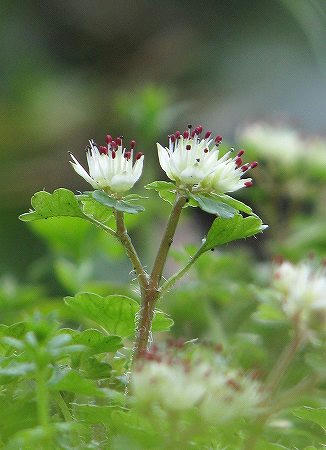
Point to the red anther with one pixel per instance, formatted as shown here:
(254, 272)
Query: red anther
(188, 147)
(245, 167)
(108, 139)
(118, 140)
(234, 385)
(198, 129)
(114, 144)
(138, 155)
(132, 144)
(240, 152)
(113, 154)
(278, 259)
(193, 133)
(248, 184)
(127, 155)
(177, 134)
(218, 139)
(103, 150)
(208, 134)
(254, 164)
(172, 137)
(238, 162)
(186, 134)
(206, 150)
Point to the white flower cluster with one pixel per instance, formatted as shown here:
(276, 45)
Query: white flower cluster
(194, 162)
(219, 395)
(283, 144)
(111, 167)
(303, 290)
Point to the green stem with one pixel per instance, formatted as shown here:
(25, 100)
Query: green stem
(166, 242)
(285, 359)
(171, 281)
(42, 398)
(63, 407)
(131, 251)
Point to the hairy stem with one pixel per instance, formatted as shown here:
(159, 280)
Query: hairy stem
(166, 242)
(131, 251)
(171, 281)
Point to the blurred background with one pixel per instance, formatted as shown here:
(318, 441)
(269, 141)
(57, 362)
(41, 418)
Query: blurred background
(72, 70)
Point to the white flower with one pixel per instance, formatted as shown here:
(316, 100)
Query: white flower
(111, 167)
(303, 289)
(277, 142)
(230, 395)
(218, 394)
(168, 385)
(193, 162)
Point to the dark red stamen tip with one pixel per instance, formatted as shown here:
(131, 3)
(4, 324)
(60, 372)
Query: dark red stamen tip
(113, 154)
(118, 140)
(198, 129)
(186, 134)
(172, 137)
(254, 164)
(188, 147)
(240, 152)
(208, 134)
(218, 139)
(127, 155)
(238, 162)
(193, 133)
(138, 155)
(245, 167)
(177, 134)
(206, 150)
(248, 184)
(132, 144)
(108, 139)
(114, 144)
(103, 150)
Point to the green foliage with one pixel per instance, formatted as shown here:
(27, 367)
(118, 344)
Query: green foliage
(213, 206)
(226, 230)
(119, 205)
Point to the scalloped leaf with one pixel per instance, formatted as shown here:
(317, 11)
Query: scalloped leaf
(62, 203)
(119, 205)
(115, 313)
(213, 206)
(94, 340)
(236, 204)
(224, 230)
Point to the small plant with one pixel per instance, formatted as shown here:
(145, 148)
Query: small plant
(96, 374)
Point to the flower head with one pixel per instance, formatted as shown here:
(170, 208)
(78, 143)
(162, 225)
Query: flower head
(111, 166)
(219, 394)
(194, 162)
(303, 289)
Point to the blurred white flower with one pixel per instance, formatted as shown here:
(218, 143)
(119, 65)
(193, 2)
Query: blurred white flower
(303, 289)
(277, 142)
(194, 162)
(219, 395)
(111, 167)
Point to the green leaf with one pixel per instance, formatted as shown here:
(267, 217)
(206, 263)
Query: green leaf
(115, 313)
(17, 369)
(227, 230)
(61, 203)
(213, 206)
(316, 415)
(95, 210)
(96, 370)
(236, 204)
(94, 414)
(161, 186)
(95, 341)
(71, 381)
(119, 205)
(161, 321)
